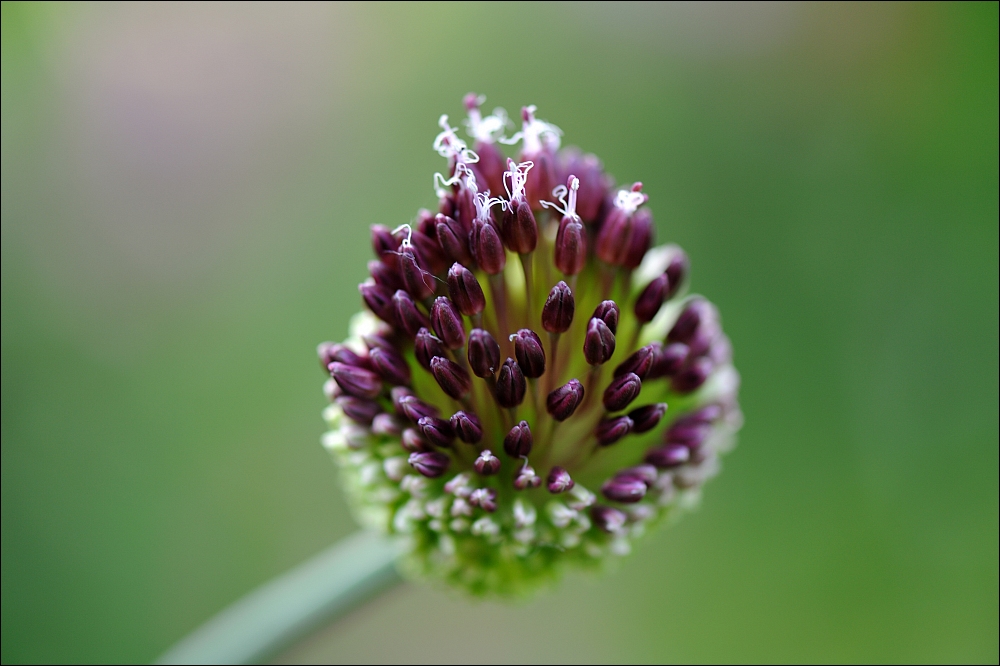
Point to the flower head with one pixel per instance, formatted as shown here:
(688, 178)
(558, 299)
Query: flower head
(513, 357)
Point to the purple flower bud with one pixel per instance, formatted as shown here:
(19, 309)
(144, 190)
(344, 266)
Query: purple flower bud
(694, 315)
(359, 410)
(651, 299)
(413, 441)
(529, 352)
(608, 519)
(398, 394)
(557, 313)
(484, 353)
(390, 366)
(622, 391)
(415, 409)
(667, 456)
(640, 240)
(425, 222)
(487, 247)
(454, 239)
(559, 481)
(464, 289)
(645, 473)
(511, 384)
(625, 489)
(447, 322)
(431, 464)
(484, 498)
(379, 301)
(436, 431)
(467, 426)
(668, 360)
(487, 464)
(599, 343)
(686, 433)
(355, 381)
(385, 275)
(451, 377)
(676, 271)
(640, 362)
(331, 351)
(692, 376)
(426, 347)
(409, 317)
(610, 431)
(385, 245)
(417, 281)
(614, 239)
(520, 232)
(563, 401)
(518, 441)
(429, 253)
(647, 417)
(386, 424)
(608, 312)
(526, 478)
(570, 255)
(594, 183)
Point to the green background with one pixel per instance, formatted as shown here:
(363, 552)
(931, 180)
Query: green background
(186, 193)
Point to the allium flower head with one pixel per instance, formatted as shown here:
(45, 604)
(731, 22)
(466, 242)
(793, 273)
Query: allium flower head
(530, 386)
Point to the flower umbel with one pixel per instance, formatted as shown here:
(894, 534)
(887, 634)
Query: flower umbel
(518, 351)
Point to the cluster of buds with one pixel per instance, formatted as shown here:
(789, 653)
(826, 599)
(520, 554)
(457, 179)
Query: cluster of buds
(530, 385)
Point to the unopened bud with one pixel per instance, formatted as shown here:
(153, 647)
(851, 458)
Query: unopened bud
(484, 353)
(562, 402)
(676, 272)
(379, 301)
(668, 455)
(357, 382)
(447, 322)
(668, 359)
(487, 247)
(622, 391)
(451, 377)
(610, 431)
(570, 255)
(518, 441)
(607, 311)
(436, 431)
(640, 239)
(431, 464)
(453, 238)
(520, 231)
(390, 366)
(648, 417)
(407, 315)
(359, 410)
(651, 299)
(559, 480)
(640, 362)
(416, 280)
(692, 376)
(625, 489)
(426, 347)
(529, 352)
(487, 464)
(557, 313)
(464, 289)
(599, 343)
(645, 473)
(415, 409)
(511, 384)
(467, 426)
(385, 275)
(385, 245)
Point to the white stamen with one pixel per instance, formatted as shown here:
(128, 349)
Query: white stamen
(517, 177)
(568, 208)
(488, 129)
(537, 134)
(629, 200)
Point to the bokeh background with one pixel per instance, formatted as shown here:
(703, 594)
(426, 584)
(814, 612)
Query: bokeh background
(186, 192)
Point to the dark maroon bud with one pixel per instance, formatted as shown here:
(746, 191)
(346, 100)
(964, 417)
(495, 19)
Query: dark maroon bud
(426, 347)
(529, 352)
(526, 478)
(454, 239)
(691, 435)
(559, 481)
(670, 455)
(484, 498)
(386, 424)
(379, 301)
(520, 232)
(416, 280)
(359, 410)
(409, 317)
(557, 313)
(676, 271)
(599, 344)
(431, 257)
(385, 245)
(436, 431)
(571, 246)
(622, 391)
(640, 240)
(518, 441)
(608, 519)
(645, 473)
(384, 275)
(696, 312)
(332, 351)
(692, 376)
(390, 366)
(451, 377)
(379, 340)
(355, 381)
(447, 323)
(413, 441)
(487, 464)
(415, 409)
(431, 464)
(639, 363)
(511, 384)
(609, 246)
(562, 402)
(702, 340)
(484, 353)
(398, 394)
(487, 247)
(446, 205)
(610, 431)
(332, 390)
(467, 426)
(464, 289)
(651, 299)
(647, 417)
(607, 312)
(668, 360)
(625, 489)
(425, 222)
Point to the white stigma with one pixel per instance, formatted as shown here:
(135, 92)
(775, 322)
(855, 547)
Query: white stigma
(515, 178)
(629, 200)
(566, 197)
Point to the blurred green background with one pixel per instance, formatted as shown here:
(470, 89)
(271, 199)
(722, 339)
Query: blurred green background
(186, 192)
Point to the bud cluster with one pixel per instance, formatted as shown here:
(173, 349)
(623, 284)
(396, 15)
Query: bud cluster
(521, 346)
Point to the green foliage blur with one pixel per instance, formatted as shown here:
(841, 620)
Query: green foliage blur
(186, 192)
